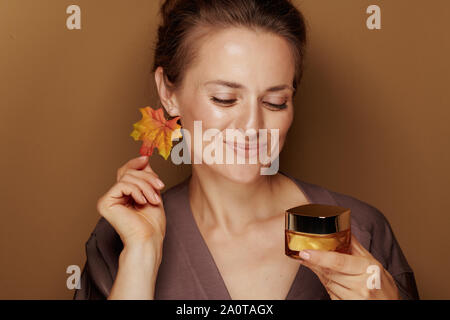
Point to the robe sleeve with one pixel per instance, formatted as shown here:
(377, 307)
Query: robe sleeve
(102, 252)
(88, 290)
(406, 285)
(379, 239)
(386, 249)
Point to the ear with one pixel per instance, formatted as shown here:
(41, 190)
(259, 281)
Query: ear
(166, 95)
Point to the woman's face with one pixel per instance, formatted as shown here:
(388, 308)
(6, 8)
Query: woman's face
(241, 80)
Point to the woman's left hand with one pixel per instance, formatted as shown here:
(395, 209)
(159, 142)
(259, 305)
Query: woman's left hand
(350, 276)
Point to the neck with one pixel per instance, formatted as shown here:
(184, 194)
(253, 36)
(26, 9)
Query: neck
(232, 207)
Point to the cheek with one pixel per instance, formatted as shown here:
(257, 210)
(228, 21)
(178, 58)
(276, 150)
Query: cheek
(203, 111)
(282, 122)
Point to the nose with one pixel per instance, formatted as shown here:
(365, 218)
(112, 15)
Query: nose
(251, 116)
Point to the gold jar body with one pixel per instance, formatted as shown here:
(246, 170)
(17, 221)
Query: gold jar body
(297, 241)
(317, 227)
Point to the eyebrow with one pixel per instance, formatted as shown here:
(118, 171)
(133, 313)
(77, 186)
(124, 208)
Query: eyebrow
(235, 85)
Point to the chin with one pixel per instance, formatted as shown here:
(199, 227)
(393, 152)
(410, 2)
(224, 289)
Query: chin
(239, 173)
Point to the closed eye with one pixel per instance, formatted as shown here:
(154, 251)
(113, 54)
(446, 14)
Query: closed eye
(277, 106)
(231, 101)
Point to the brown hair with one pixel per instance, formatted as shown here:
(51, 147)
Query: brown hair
(186, 21)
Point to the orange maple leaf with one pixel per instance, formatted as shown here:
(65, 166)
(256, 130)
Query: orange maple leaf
(156, 132)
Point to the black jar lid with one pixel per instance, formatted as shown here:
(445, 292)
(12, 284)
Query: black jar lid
(317, 218)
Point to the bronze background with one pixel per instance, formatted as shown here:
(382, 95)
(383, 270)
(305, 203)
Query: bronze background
(372, 121)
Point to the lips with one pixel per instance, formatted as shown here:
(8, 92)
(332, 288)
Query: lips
(243, 146)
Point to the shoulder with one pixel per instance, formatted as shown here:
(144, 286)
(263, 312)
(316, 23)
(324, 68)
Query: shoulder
(369, 225)
(365, 215)
(368, 217)
(371, 220)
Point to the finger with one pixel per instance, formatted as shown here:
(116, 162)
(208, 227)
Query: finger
(327, 275)
(342, 285)
(337, 290)
(135, 163)
(325, 282)
(336, 261)
(340, 292)
(149, 177)
(144, 186)
(148, 168)
(121, 189)
(351, 282)
(333, 296)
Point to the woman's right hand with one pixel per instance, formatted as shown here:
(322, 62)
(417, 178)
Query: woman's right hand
(133, 206)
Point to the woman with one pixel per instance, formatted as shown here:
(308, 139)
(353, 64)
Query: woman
(219, 234)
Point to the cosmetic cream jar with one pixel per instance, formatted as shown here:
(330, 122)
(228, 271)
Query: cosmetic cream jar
(318, 227)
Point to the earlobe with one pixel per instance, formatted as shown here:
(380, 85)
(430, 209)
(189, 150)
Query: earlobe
(173, 111)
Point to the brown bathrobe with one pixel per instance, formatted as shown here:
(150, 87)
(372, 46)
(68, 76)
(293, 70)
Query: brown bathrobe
(188, 270)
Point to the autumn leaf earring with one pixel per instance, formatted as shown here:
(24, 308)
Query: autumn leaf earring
(156, 132)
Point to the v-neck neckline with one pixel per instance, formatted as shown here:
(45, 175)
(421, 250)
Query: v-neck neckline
(206, 270)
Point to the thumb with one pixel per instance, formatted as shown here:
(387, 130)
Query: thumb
(137, 163)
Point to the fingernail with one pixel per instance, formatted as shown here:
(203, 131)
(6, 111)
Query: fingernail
(159, 183)
(157, 198)
(143, 157)
(305, 255)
